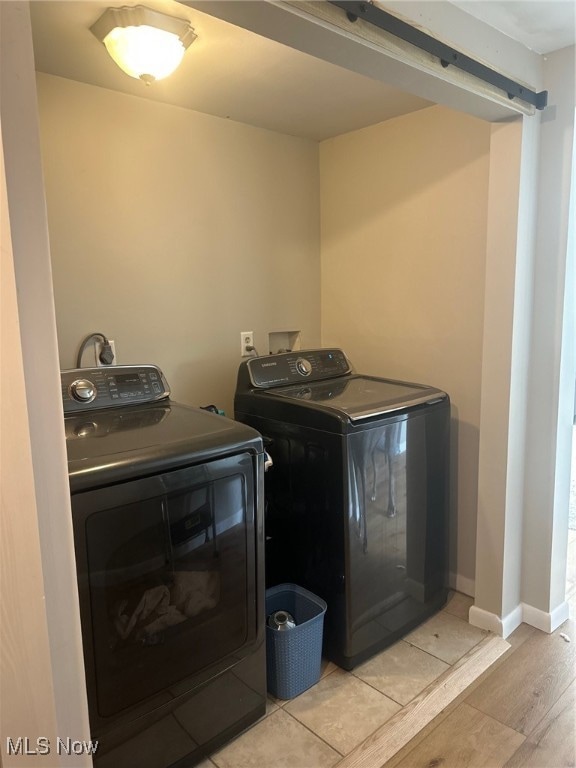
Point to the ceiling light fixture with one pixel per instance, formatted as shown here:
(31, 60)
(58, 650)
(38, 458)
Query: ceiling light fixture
(146, 44)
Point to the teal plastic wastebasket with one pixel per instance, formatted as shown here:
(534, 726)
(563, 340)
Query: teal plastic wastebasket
(294, 656)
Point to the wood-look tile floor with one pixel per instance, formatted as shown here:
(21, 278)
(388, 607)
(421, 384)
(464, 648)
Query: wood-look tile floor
(520, 713)
(327, 722)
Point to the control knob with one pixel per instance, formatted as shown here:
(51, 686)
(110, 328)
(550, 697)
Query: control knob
(303, 366)
(83, 390)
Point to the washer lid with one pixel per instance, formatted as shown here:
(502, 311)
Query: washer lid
(361, 397)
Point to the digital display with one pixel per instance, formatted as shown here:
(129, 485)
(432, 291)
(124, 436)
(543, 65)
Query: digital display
(129, 382)
(330, 362)
(127, 378)
(328, 359)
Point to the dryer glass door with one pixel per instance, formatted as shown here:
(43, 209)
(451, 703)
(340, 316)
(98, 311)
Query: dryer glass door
(167, 578)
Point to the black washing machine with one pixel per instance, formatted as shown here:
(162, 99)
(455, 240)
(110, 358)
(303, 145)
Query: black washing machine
(357, 500)
(167, 505)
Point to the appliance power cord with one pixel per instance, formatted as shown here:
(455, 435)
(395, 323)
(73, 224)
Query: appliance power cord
(106, 356)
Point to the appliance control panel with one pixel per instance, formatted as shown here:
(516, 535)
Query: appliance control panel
(295, 367)
(86, 389)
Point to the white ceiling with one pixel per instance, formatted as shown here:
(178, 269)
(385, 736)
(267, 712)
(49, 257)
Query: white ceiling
(233, 73)
(228, 72)
(541, 25)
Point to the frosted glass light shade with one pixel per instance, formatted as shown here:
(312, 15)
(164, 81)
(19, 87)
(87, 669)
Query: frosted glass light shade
(145, 44)
(144, 52)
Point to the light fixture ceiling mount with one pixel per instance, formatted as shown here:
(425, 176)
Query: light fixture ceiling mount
(146, 44)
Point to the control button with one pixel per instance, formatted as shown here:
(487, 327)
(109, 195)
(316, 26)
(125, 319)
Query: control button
(156, 386)
(153, 376)
(83, 390)
(303, 366)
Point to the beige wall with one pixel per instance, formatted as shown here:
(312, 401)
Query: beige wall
(172, 231)
(404, 207)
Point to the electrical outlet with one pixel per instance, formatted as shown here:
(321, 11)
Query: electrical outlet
(98, 348)
(246, 340)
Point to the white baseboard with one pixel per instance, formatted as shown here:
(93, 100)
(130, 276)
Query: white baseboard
(461, 584)
(504, 626)
(547, 622)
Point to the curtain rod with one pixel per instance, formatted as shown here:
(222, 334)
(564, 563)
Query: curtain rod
(356, 9)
